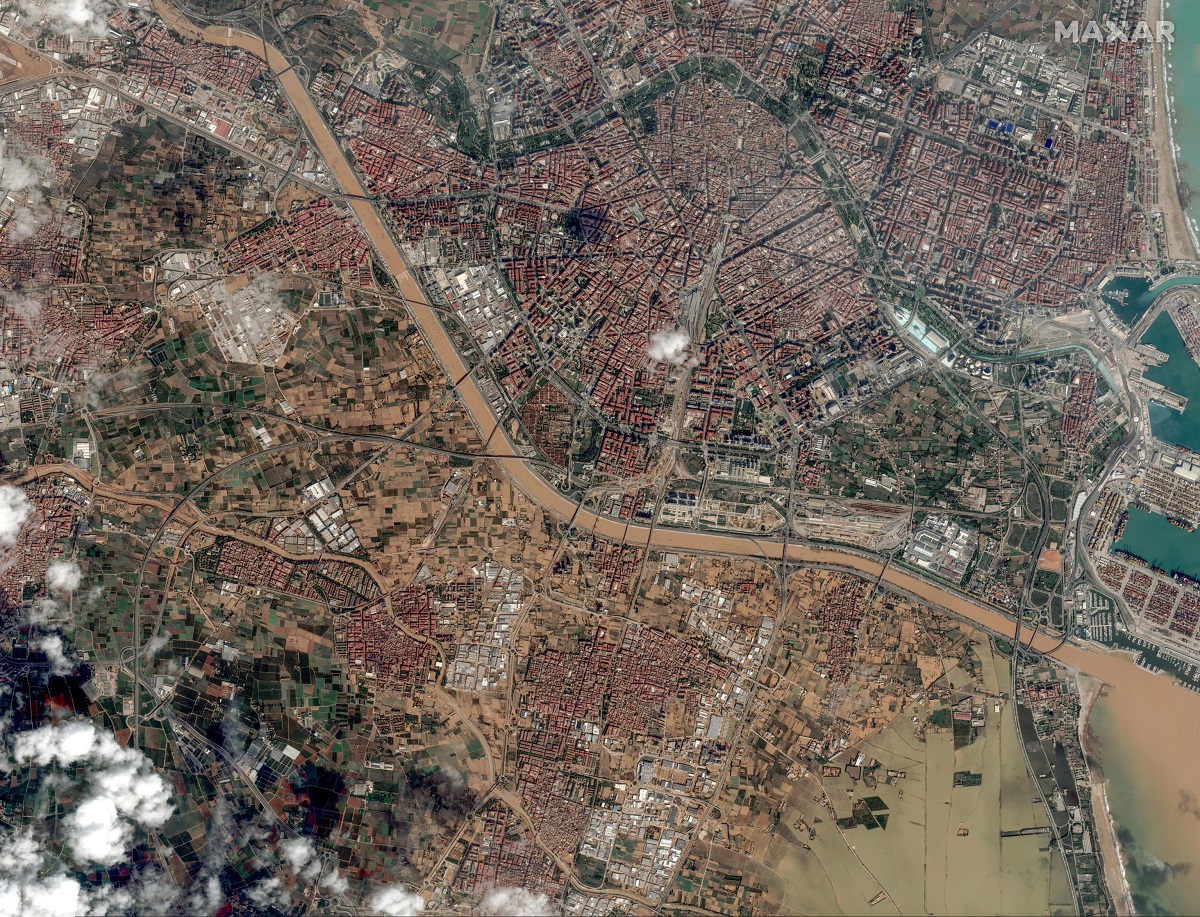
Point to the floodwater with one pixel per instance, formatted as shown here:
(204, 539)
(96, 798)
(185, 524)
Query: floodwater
(920, 858)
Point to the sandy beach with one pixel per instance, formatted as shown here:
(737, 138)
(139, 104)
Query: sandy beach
(1106, 835)
(1178, 236)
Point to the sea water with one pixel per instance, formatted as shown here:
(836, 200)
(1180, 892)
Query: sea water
(1168, 547)
(1183, 64)
(1131, 297)
(1154, 828)
(1179, 374)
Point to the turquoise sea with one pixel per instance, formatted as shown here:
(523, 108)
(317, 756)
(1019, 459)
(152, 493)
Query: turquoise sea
(1184, 62)
(1131, 297)
(1168, 547)
(1179, 374)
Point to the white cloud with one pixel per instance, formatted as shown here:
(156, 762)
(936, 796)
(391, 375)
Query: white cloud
(266, 893)
(302, 858)
(297, 852)
(20, 177)
(63, 576)
(25, 891)
(670, 346)
(123, 791)
(259, 309)
(14, 510)
(120, 789)
(97, 831)
(154, 893)
(205, 896)
(33, 884)
(396, 901)
(17, 173)
(155, 645)
(139, 792)
(67, 744)
(28, 218)
(263, 291)
(516, 902)
(42, 612)
(77, 18)
(26, 306)
(52, 645)
(335, 882)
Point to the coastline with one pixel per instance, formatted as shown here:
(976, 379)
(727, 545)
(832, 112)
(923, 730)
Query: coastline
(1181, 241)
(1090, 690)
(1142, 753)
